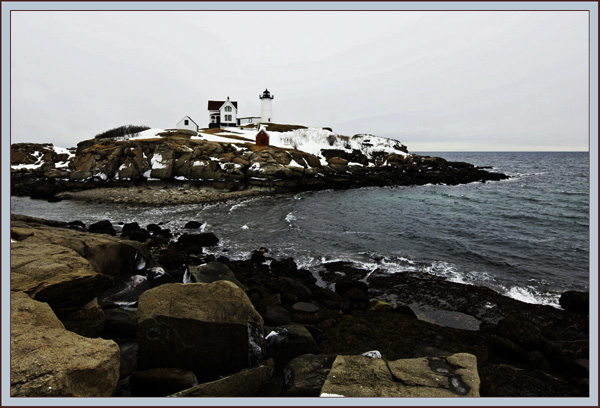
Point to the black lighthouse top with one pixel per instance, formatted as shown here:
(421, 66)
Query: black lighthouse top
(266, 95)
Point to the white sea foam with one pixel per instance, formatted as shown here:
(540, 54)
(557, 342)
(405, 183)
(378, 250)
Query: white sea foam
(290, 217)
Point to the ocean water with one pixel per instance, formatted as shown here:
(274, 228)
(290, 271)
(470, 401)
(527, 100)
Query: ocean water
(526, 237)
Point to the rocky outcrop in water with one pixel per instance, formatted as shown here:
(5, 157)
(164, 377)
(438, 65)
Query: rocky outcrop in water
(232, 166)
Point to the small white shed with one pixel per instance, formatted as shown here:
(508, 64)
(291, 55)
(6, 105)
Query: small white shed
(188, 124)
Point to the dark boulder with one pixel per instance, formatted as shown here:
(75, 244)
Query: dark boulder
(305, 375)
(44, 191)
(193, 225)
(576, 302)
(522, 332)
(129, 228)
(153, 228)
(258, 256)
(284, 267)
(285, 343)
(78, 225)
(102, 227)
(120, 322)
(345, 284)
(291, 291)
(193, 243)
(275, 315)
(139, 235)
(171, 258)
(125, 292)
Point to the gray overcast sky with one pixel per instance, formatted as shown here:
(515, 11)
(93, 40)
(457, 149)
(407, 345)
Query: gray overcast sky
(437, 81)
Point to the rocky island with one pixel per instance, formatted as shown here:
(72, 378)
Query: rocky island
(297, 159)
(105, 310)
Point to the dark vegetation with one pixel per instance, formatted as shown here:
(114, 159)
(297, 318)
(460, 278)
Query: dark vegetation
(125, 130)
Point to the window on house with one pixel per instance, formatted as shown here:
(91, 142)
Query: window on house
(186, 122)
(227, 108)
(228, 118)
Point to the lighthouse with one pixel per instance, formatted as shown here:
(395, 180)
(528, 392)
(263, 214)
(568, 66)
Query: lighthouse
(266, 113)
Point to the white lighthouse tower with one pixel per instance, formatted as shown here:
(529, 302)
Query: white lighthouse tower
(266, 113)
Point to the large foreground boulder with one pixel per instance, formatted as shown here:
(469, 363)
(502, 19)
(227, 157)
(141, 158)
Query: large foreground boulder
(108, 255)
(54, 274)
(48, 361)
(431, 377)
(211, 329)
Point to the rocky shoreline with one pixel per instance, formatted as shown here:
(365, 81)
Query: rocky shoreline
(103, 311)
(158, 195)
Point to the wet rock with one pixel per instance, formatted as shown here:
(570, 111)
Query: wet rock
(290, 290)
(248, 383)
(153, 228)
(102, 227)
(120, 322)
(258, 256)
(125, 292)
(211, 329)
(45, 191)
(507, 349)
(275, 315)
(49, 361)
(193, 225)
(193, 243)
(305, 307)
(305, 375)
(212, 272)
(521, 331)
(129, 228)
(284, 267)
(76, 225)
(129, 358)
(576, 302)
(160, 382)
(358, 376)
(172, 257)
(87, 321)
(139, 235)
(287, 342)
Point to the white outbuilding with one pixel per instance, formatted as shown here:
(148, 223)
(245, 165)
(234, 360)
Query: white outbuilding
(187, 124)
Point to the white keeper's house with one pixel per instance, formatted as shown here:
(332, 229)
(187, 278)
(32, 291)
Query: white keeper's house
(222, 113)
(225, 113)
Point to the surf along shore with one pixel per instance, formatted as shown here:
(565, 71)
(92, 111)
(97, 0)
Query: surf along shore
(144, 311)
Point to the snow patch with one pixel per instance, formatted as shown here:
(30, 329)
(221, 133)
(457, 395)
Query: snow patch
(157, 161)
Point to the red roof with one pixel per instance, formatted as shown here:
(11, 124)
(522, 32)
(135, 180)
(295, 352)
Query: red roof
(216, 105)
